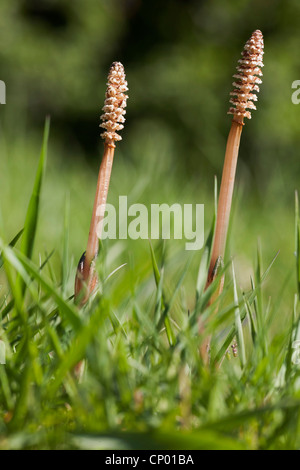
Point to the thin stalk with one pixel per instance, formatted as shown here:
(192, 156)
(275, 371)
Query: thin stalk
(86, 278)
(100, 202)
(112, 121)
(242, 98)
(225, 197)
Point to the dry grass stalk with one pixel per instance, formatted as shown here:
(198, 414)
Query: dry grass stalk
(112, 121)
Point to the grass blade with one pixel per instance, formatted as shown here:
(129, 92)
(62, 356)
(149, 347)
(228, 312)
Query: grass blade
(238, 322)
(33, 207)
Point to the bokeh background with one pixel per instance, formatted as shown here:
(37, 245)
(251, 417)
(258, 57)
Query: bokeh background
(179, 57)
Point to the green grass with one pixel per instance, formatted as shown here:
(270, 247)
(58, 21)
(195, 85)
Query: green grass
(144, 385)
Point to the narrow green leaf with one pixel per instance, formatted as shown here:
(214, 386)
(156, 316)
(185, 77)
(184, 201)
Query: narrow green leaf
(66, 309)
(160, 304)
(297, 242)
(78, 347)
(12, 243)
(65, 255)
(238, 322)
(33, 208)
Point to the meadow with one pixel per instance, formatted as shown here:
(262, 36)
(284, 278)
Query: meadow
(144, 384)
(140, 389)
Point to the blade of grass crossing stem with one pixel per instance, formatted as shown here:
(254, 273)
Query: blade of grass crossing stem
(208, 293)
(211, 235)
(206, 255)
(205, 258)
(158, 281)
(31, 219)
(238, 322)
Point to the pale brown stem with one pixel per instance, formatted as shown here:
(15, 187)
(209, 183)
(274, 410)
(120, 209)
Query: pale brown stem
(223, 215)
(100, 201)
(225, 197)
(86, 277)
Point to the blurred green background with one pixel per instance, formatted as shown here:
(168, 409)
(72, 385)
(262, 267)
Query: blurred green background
(179, 58)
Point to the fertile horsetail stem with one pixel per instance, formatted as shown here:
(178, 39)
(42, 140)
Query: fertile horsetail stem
(112, 121)
(242, 99)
